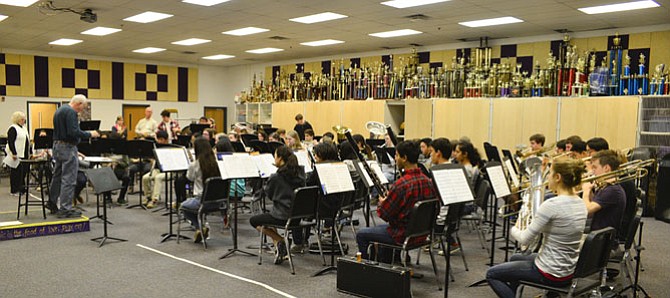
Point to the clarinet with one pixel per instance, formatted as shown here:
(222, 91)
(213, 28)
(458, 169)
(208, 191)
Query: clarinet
(381, 189)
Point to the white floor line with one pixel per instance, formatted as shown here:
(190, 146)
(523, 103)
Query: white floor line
(251, 281)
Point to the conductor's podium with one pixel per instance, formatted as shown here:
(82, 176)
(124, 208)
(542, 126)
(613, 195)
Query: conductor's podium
(37, 227)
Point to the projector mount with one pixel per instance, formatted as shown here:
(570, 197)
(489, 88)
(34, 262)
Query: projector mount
(48, 8)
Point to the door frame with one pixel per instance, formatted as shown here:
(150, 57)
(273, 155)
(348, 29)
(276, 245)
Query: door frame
(123, 107)
(225, 113)
(57, 103)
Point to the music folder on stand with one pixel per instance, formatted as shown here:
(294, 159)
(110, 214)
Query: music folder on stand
(104, 182)
(141, 149)
(171, 159)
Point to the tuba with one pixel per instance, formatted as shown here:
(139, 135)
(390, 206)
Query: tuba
(340, 130)
(376, 128)
(531, 199)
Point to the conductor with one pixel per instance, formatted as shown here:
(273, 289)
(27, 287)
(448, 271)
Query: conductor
(67, 135)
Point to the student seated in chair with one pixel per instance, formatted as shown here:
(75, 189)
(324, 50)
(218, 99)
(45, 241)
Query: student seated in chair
(396, 206)
(562, 220)
(198, 172)
(153, 191)
(280, 189)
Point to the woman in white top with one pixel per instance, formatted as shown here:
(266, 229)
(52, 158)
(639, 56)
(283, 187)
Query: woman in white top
(18, 147)
(561, 220)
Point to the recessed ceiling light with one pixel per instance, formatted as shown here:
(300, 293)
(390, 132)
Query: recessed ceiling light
(22, 3)
(65, 42)
(218, 57)
(101, 31)
(205, 2)
(149, 50)
(2, 17)
(191, 41)
(148, 17)
(319, 17)
(619, 7)
(264, 50)
(395, 33)
(246, 31)
(491, 22)
(319, 43)
(410, 3)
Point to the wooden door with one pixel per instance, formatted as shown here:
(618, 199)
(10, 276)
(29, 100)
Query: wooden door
(219, 116)
(131, 115)
(41, 115)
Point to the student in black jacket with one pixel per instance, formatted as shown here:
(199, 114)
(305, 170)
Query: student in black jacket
(280, 188)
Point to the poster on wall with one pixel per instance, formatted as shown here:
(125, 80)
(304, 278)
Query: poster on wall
(84, 115)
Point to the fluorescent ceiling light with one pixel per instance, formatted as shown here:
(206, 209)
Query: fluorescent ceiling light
(148, 17)
(2, 17)
(205, 2)
(491, 22)
(191, 41)
(246, 31)
(264, 50)
(218, 57)
(619, 7)
(319, 43)
(149, 50)
(320, 17)
(65, 42)
(101, 31)
(22, 3)
(410, 3)
(395, 33)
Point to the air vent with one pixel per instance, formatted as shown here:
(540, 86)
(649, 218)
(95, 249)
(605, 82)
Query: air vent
(389, 48)
(415, 45)
(188, 52)
(417, 17)
(563, 30)
(277, 37)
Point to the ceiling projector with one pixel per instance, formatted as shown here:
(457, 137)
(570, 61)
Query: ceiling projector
(88, 16)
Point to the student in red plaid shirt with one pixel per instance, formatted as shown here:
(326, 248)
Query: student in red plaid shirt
(395, 208)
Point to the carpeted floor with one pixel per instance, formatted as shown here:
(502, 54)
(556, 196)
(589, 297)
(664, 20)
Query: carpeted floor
(73, 265)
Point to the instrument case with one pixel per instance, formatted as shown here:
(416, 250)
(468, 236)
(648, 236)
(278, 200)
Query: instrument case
(369, 279)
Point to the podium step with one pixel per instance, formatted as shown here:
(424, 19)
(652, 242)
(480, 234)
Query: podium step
(17, 230)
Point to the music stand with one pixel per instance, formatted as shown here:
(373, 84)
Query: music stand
(89, 125)
(46, 141)
(171, 159)
(139, 149)
(110, 146)
(184, 140)
(453, 187)
(491, 152)
(247, 138)
(384, 155)
(508, 154)
(104, 182)
(273, 146)
(269, 130)
(87, 148)
(198, 128)
(374, 143)
(259, 146)
(496, 176)
(238, 147)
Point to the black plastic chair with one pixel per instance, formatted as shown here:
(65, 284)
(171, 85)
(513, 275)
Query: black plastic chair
(592, 260)
(214, 198)
(624, 257)
(421, 224)
(303, 207)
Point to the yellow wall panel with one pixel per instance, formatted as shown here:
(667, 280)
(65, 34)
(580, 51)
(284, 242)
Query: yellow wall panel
(268, 74)
(475, 121)
(495, 52)
(418, 118)
(27, 75)
(507, 125)
(447, 118)
(55, 77)
(152, 82)
(355, 113)
(541, 52)
(81, 78)
(617, 120)
(283, 114)
(3, 75)
(582, 45)
(639, 40)
(322, 115)
(192, 84)
(660, 51)
(599, 43)
(524, 49)
(105, 80)
(67, 62)
(578, 117)
(129, 70)
(12, 59)
(539, 116)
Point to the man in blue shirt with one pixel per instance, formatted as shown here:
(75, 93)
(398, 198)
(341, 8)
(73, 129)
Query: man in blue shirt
(67, 135)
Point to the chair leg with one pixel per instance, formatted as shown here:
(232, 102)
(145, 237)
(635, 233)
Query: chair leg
(201, 219)
(178, 225)
(337, 235)
(288, 246)
(260, 247)
(432, 260)
(318, 241)
(458, 240)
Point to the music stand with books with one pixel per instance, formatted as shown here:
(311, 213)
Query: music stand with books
(141, 149)
(496, 176)
(238, 147)
(273, 146)
(453, 187)
(259, 146)
(334, 178)
(89, 125)
(46, 141)
(171, 159)
(198, 128)
(236, 166)
(104, 182)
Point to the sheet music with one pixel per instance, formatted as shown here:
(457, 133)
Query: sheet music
(375, 167)
(334, 177)
(303, 160)
(172, 159)
(237, 166)
(453, 186)
(99, 159)
(265, 164)
(498, 181)
(512, 173)
(366, 177)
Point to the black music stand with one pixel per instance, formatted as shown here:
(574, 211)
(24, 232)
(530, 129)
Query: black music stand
(104, 182)
(89, 125)
(269, 130)
(453, 187)
(184, 140)
(176, 161)
(46, 141)
(141, 149)
(198, 128)
(492, 152)
(110, 146)
(508, 154)
(247, 138)
(374, 143)
(259, 146)
(238, 147)
(273, 146)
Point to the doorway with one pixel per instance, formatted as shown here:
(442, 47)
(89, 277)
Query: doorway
(219, 116)
(131, 115)
(41, 115)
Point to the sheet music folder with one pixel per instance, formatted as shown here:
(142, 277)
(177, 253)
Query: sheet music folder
(496, 176)
(237, 166)
(334, 177)
(172, 159)
(385, 155)
(452, 183)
